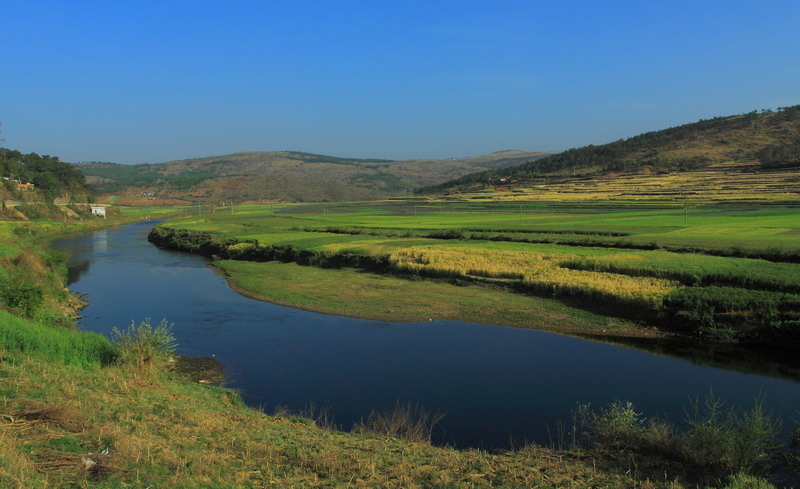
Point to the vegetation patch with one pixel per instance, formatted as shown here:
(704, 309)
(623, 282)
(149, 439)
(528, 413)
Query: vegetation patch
(607, 267)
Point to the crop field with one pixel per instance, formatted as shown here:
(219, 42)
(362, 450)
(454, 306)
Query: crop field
(722, 182)
(726, 270)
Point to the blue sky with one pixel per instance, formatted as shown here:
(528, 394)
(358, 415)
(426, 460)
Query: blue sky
(134, 82)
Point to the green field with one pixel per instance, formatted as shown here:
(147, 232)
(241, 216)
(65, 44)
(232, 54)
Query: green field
(77, 412)
(721, 270)
(74, 414)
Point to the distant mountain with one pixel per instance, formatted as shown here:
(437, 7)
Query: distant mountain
(771, 138)
(284, 176)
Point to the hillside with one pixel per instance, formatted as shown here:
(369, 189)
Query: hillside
(283, 176)
(41, 186)
(765, 141)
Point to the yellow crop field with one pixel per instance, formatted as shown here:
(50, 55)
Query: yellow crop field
(534, 270)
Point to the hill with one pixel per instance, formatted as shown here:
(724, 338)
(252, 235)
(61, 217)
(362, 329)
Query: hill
(767, 141)
(284, 176)
(36, 187)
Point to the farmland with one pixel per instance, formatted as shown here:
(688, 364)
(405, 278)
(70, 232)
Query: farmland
(718, 270)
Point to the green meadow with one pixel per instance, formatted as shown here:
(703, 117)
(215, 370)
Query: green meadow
(664, 264)
(79, 410)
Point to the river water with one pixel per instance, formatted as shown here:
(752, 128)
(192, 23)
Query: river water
(494, 383)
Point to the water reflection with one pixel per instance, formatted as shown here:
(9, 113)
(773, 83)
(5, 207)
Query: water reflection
(77, 267)
(493, 382)
(752, 360)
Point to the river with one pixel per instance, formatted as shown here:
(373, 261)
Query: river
(495, 384)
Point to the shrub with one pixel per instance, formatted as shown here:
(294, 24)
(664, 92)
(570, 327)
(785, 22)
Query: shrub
(144, 347)
(21, 295)
(408, 422)
(791, 456)
(728, 440)
(617, 425)
(718, 443)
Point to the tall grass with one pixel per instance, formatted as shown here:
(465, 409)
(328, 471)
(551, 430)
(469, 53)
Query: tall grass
(143, 347)
(719, 442)
(410, 422)
(78, 348)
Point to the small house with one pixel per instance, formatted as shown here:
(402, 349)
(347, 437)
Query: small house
(98, 210)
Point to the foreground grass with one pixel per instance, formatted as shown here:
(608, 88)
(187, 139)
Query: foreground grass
(67, 426)
(71, 416)
(351, 292)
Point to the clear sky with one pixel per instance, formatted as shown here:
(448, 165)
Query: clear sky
(152, 81)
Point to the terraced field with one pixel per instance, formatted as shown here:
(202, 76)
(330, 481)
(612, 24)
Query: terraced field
(736, 181)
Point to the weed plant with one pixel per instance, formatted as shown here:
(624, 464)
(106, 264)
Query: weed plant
(143, 347)
(17, 293)
(410, 422)
(721, 443)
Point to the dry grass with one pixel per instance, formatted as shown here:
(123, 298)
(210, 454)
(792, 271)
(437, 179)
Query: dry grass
(405, 421)
(166, 433)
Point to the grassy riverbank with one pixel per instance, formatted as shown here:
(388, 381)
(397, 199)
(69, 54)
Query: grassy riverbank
(75, 414)
(353, 292)
(723, 271)
(102, 427)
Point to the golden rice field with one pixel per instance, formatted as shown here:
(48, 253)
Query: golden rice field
(534, 270)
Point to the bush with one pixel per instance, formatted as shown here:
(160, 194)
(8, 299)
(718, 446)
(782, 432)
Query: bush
(143, 347)
(408, 422)
(719, 443)
(731, 441)
(618, 425)
(791, 455)
(19, 294)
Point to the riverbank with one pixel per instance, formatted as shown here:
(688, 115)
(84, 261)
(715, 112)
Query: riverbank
(71, 416)
(356, 293)
(64, 425)
(603, 278)
(97, 424)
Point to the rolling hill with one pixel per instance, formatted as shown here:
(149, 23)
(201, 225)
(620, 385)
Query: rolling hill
(754, 142)
(283, 176)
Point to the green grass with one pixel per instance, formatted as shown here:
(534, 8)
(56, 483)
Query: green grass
(351, 292)
(167, 431)
(608, 256)
(29, 337)
(697, 269)
(710, 226)
(152, 211)
(64, 400)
